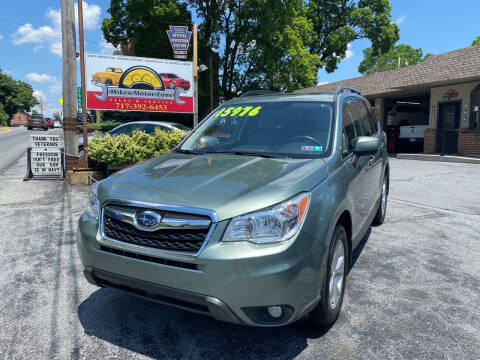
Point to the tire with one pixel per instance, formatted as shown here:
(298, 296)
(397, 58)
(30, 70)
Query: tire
(45, 128)
(171, 85)
(327, 310)
(108, 82)
(382, 204)
(29, 128)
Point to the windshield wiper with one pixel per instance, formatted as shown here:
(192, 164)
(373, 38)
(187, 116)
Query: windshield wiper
(249, 153)
(190, 152)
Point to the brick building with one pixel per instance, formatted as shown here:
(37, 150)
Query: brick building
(447, 86)
(19, 119)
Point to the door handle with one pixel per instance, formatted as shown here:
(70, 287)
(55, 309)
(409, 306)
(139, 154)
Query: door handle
(371, 161)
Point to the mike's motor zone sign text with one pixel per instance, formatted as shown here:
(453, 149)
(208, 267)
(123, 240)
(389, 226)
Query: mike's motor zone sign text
(131, 83)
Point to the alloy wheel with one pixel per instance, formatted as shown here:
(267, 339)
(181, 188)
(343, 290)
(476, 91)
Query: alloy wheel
(337, 274)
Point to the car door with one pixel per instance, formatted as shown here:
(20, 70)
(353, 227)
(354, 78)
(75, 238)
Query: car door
(373, 167)
(356, 166)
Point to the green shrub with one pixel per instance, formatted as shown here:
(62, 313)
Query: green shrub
(100, 126)
(125, 149)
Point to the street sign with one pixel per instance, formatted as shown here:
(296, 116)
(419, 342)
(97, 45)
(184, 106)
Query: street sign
(179, 37)
(45, 157)
(79, 97)
(60, 101)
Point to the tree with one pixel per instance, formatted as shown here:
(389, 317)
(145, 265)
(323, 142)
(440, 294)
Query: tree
(283, 44)
(476, 41)
(408, 55)
(14, 95)
(140, 26)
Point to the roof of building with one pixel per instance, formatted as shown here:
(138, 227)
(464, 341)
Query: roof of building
(451, 67)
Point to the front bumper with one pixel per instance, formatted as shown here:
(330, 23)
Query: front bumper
(233, 282)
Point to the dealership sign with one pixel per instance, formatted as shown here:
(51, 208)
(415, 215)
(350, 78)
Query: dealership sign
(128, 83)
(179, 37)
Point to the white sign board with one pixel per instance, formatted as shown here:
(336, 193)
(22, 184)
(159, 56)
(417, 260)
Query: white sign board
(46, 161)
(46, 141)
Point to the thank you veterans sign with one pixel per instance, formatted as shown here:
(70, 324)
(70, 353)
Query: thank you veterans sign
(179, 37)
(45, 157)
(129, 83)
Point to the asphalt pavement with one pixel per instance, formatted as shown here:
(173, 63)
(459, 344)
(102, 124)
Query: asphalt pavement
(14, 142)
(412, 293)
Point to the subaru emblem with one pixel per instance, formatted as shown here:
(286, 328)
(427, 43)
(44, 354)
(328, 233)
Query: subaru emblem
(147, 220)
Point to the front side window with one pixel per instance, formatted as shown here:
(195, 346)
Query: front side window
(364, 118)
(351, 124)
(297, 129)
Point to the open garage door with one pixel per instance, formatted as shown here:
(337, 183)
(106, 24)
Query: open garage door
(406, 119)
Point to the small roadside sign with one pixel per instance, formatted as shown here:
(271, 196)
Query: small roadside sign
(45, 157)
(179, 37)
(79, 97)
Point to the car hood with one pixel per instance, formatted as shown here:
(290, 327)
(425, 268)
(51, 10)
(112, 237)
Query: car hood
(230, 185)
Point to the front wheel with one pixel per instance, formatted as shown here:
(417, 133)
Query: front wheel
(333, 287)
(382, 206)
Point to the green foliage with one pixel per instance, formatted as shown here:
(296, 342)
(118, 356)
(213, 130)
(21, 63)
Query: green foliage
(408, 55)
(269, 44)
(476, 41)
(125, 149)
(103, 126)
(3, 116)
(143, 25)
(14, 95)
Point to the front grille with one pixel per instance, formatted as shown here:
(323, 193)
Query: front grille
(177, 239)
(132, 255)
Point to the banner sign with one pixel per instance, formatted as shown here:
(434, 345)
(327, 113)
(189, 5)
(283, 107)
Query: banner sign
(179, 37)
(128, 83)
(79, 98)
(45, 158)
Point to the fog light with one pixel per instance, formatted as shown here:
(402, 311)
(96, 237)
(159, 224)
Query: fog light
(275, 311)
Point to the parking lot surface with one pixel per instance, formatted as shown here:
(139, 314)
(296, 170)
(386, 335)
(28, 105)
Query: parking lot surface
(412, 293)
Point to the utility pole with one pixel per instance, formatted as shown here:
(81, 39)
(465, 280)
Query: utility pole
(69, 89)
(210, 65)
(84, 160)
(195, 77)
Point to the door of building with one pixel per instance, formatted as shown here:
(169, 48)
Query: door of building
(447, 127)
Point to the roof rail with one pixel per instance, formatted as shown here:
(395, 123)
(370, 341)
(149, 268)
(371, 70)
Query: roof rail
(258, 92)
(342, 88)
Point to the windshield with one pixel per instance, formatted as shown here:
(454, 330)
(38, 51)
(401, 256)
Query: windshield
(181, 127)
(287, 128)
(36, 117)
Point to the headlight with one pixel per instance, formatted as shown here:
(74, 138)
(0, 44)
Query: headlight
(278, 223)
(93, 208)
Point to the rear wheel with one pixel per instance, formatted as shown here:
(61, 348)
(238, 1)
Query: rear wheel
(333, 287)
(29, 128)
(382, 206)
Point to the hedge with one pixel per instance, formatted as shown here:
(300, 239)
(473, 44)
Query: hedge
(100, 126)
(128, 149)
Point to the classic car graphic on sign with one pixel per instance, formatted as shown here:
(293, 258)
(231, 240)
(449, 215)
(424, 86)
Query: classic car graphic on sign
(141, 86)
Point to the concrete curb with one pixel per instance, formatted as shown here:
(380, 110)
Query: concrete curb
(436, 157)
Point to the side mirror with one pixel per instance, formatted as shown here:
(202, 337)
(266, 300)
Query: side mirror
(366, 145)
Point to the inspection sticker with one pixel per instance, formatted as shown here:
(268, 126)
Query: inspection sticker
(311, 148)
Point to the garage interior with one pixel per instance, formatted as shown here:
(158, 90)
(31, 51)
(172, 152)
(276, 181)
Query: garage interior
(407, 112)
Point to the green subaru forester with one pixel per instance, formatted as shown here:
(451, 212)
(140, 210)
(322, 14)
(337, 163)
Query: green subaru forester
(253, 218)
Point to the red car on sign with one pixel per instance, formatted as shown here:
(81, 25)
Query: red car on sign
(172, 81)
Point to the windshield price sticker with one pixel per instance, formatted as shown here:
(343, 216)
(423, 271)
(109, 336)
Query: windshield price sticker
(238, 111)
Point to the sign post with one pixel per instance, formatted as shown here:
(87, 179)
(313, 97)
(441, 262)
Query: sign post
(83, 162)
(195, 77)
